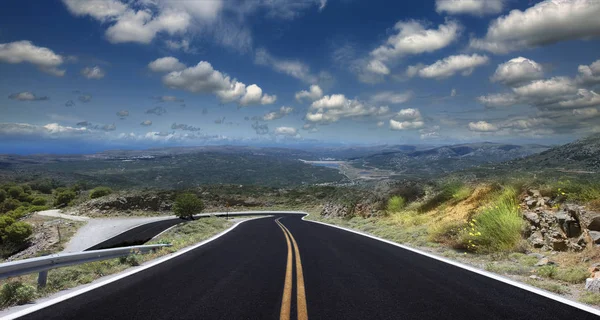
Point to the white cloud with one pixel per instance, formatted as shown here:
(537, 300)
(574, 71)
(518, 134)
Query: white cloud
(315, 92)
(587, 112)
(589, 75)
(449, 66)
(146, 123)
(391, 97)
(24, 51)
(293, 68)
(183, 45)
(99, 9)
(546, 22)
(544, 91)
(93, 73)
(286, 131)
(517, 71)
(407, 119)
(412, 38)
(473, 7)
(498, 100)
(202, 78)
(51, 130)
(254, 95)
(337, 106)
(142, 26)
(274, 115)
(26, 96)
(377, 67)
(380, 124)
(482, 126)
(166, 64)
(453, 92)
(584, 98)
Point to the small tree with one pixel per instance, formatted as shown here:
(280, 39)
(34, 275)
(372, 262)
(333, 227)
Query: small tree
(186, 205)
(65, 197)
(395, 204)
(15, 191)
(100, 192)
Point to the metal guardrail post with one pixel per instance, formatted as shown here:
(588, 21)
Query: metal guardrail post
(42, 278)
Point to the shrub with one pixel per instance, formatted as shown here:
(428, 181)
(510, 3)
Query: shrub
(44, 186)
(395, 204)
(548, 271)
(590, 298)
(15, 191)
(100, 192)
(187, 204)
(131, 260)
(9, 204)
(16, 293)
(17, 233)
(24, 197)
(63, 198)
(572, 275)
(3, 195)
(38, 202)
(498, 227)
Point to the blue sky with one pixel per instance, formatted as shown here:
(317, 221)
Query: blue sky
(83, 76)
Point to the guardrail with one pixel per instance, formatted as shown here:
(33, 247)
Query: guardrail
(45, 263)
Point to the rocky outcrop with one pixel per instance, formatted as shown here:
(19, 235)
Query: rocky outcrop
(570, 227)
(341, 210)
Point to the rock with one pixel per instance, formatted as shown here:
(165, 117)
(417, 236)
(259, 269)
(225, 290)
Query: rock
(559, 245)
(532, 217)
(592, 285)
(544, 262)
(595, 235)
(561, 217)
(535, 193)
(572, 229)
(533, 276)
(531, 204)
(594, 223)
(537, 240)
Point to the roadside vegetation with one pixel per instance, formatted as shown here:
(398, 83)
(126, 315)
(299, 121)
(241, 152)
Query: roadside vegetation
(21, 290)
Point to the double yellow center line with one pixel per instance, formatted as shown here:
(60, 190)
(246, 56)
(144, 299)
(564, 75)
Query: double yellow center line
(286, 301)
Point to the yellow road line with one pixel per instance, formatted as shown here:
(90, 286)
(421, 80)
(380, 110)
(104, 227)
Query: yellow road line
(300, 289)
(286, 300)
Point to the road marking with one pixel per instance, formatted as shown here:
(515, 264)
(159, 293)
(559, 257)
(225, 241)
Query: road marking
(300, 289)
(286, 300)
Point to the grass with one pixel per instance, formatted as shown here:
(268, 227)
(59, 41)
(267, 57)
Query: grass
(498, 227)
(20, 290)
(590, 298)
(508, 268)
(548, 286)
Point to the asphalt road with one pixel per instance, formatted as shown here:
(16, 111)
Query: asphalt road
(250, 274)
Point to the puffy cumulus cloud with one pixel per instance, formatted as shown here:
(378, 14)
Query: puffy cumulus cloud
(51, 130)
(142, 26)
(261, 129)
(185, 127)
(410, 38)
(589, 74)
(286, 131)
(94, 72)
(584, 98)
(274, 115)
(102, 10)
(546, 22)
(517, 71)
(202, 78)
(473, 7)
(335, 107)
(482, 126)
(315, 92)
(146, 123)
(26, 96)
(25, 51)
(159, 111)
(254, 95)
(407, 119)
(168, 99)
(166, 64)
(391, 97)
(85, 98)
(449, 66)
(123, 114)
(293, 68)
(545, 91)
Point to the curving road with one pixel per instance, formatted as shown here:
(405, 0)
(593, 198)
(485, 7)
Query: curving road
(255, 272)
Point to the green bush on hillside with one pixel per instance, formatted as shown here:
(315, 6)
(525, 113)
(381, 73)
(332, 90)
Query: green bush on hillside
(39, 202)
(64, 197)
(100, 192)
(16, 292)
(15, 191)
(497, 228)
(395, 204)
(17, 233)
(187, 204)
(9, 205)
(3, 195)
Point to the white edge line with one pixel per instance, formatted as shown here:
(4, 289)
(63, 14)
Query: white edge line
(473, 269)
(121, 276)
